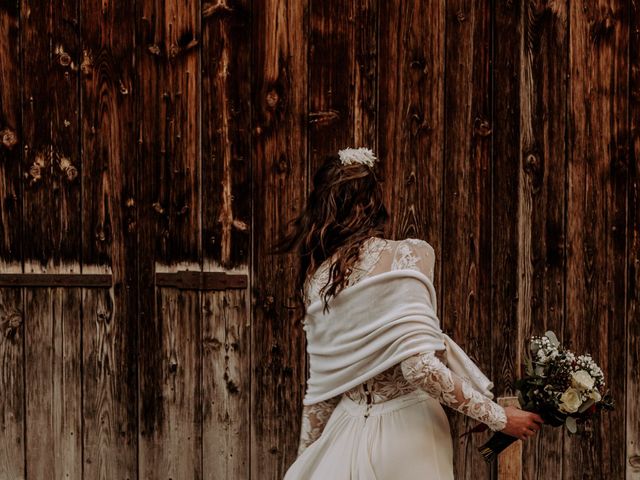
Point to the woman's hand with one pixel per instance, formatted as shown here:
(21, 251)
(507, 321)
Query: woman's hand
(520, 423)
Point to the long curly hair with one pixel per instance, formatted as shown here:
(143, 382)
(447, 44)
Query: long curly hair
(344, 209)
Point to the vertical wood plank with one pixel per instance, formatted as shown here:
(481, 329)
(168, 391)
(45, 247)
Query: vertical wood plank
(633, 240)
(226, 220)
(51, 236)
(505, 179)
(342, 77)
(226, 143)
(109, 200)
(53, 393)
(226, 385)
(12, 442)
(411, 116)
(279, 79)
(10, 141)
(168, 59)
(465, 262)
(510, 460)
(174, 448)
(50, 102)
(541, 206)
(596, 214)
(331, 78)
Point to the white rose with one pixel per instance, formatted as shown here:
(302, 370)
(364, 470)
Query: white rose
(582, 380)
(570, 400)
(595, 395)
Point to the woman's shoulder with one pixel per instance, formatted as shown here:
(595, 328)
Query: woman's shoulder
(417, 243)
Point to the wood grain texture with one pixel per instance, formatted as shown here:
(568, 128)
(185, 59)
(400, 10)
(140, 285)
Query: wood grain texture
(465, 262)
(52, 224)
(109, 200)
(596, 214)
(279, 133)
(50, 106)
(510, 460)
(226, 135)
(12, 439)
(632, 335)
(168, 144)
(505, 179)
(330, 67)
(411, 116)
(10, 140)
(53, 395)
(168, 68)
(226, 383)
(541, 202)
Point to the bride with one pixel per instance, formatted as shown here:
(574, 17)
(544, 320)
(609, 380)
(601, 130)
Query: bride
(380, 366)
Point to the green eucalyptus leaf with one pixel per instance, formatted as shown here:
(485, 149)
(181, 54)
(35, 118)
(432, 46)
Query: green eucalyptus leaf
(586, 405)
(552, 338)
(571, 424)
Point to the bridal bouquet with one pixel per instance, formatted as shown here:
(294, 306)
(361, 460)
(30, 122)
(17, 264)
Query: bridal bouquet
(560, 386)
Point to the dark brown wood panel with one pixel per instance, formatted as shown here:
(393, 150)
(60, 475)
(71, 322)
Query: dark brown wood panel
(279, 172)
(632, 335)
(110, 205)
(226, 134)
(464, 264)
(168, 69)
(10, 138)
(598, 145)
(52, 236)
(541, 199)
(12, 439)
(51, 157)
(330, 91)
(411, 116)
(505, 178)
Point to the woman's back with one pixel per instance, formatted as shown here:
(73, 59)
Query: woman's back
(380, 255)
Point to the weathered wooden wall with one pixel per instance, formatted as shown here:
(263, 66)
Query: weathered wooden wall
(143, 139)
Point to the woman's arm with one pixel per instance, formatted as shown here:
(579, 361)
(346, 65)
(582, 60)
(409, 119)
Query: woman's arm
(426, 371)
(314, 418)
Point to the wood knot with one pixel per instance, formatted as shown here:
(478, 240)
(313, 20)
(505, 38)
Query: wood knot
(87, 62)
(531, 163)
(67, 168)
(283, 164)
(482, 127)
(11, 323)
(173, 363)
(154, 49)
(64, 59)
(634, 461)
(9, 138)
(272, 99)
(460, 16)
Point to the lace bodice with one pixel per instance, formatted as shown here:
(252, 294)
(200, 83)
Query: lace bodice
(427, 370)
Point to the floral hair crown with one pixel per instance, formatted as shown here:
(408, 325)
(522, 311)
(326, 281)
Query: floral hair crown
(357, 155)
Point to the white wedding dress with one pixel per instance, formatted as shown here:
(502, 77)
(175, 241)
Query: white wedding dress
(392, 426)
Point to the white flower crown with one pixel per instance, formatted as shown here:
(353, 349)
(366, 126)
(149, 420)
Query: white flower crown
(357, 155)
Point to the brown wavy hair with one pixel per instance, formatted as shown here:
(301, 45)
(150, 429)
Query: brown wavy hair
(344, 208)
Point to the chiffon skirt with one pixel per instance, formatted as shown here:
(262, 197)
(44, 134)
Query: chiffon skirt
(404, 438)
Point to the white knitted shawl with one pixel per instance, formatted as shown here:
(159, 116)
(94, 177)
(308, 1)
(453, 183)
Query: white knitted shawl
(373, 325)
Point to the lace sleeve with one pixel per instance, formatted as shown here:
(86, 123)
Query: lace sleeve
(314, 418)
(426, 371)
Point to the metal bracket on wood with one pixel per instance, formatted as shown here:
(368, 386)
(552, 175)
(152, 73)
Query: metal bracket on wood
(193, 280)
(79, 280)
